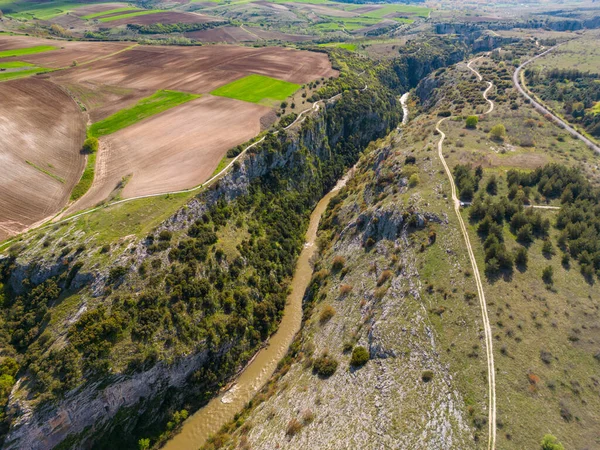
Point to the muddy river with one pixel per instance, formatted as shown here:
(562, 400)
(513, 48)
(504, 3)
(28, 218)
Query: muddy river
(221, 410)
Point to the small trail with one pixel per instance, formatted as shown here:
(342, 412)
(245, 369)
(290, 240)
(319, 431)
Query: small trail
(519, 82)
(480, 291)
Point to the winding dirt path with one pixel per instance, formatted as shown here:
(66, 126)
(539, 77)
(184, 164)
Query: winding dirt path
(481, 294)
(519, 83)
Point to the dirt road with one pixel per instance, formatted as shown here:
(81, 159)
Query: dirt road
(481, 293)
(517, 80)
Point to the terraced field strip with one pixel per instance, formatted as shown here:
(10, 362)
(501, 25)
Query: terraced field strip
(129, 15)
(480, 291)
(41, 10)
(5, 76)
(156, 103)
(15, 65)
(27, 51)
(125, 9)
(257, 89)
(345, 45)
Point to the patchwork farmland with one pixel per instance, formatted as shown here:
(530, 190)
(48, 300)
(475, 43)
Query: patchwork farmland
(159, 127)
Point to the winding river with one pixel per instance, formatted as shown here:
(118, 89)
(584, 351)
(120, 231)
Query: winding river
(220, 410)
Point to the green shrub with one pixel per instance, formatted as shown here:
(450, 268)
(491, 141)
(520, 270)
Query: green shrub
(547, 275)
(471, 122)
(90, 145)
(551, 443)
(325, 365)
(498, 132)
(360, 356)
(414, 180)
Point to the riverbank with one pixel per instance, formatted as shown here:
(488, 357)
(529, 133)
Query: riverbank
(222, 409)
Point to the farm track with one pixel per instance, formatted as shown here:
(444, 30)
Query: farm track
(519, 83)
(480, 291)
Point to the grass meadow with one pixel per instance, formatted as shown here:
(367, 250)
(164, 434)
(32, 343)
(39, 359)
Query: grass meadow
(127, 16)
(27, 51)
(156, 103)
(257, 89)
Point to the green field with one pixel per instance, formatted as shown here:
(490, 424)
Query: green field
(110, 11)
(156, 103)
(133, 14)
(22, 73)
(596, 108)
(42, 11)
(85, 182)
(14, 65)
(27, 51)
(345, 45)
(257, 89)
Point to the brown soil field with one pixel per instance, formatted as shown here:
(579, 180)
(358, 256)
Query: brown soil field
(174, 150)
(320, 9)
(230, 35)
(39, 123)
(162, 17)
(366, 9)
(115, 82)
(66, 53)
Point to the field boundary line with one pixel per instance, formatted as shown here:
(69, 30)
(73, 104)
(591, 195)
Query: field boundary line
(482, 301)
(518, 78)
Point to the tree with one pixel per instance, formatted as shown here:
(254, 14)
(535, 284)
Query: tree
(551, 443)
(90, 145)
(471, 122)
(144, 444)
(498, 132)
(521, 257)
(492, 185)
(525, 234)
(547, 275)
(548, 248)
(360, 356)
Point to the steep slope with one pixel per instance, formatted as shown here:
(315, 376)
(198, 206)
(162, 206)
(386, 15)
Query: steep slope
(113, 333)
(393, 278)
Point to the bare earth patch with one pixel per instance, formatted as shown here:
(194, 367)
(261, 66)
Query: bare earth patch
(174, 150)
(41, 125)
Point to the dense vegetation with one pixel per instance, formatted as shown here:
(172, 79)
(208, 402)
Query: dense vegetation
(577, 93)
(578, 219)
(166, 28)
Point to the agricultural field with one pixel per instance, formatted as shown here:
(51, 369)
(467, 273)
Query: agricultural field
(42, 131)
(158, 132)
(161, 101)
(257, 89)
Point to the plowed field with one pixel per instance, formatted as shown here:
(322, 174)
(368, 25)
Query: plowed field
(42, 131)
(43, 119)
